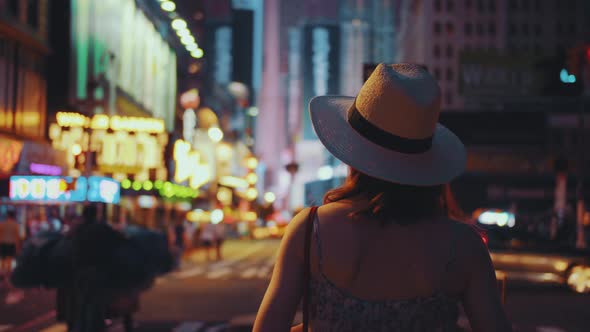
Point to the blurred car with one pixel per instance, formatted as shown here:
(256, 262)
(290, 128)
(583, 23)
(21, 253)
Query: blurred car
(525, 256)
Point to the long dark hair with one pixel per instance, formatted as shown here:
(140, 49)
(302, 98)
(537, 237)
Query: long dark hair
(390, 202)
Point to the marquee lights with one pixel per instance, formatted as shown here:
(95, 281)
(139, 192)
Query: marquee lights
(101, 121)
(181, 28)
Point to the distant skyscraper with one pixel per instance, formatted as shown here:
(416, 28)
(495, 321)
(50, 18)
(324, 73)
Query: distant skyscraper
(270, 128)
(438, 33)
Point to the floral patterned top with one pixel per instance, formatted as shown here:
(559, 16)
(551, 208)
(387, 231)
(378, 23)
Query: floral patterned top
(333, 309)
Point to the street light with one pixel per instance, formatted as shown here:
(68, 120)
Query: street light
(216, 216)
(198, 53)
(251, 162)
(76, 149)
(183, 32)
(187, 40)
(178, 24)
(215, 134)
(252, 178)
(168, 6)
(251, 194)
(269, 197)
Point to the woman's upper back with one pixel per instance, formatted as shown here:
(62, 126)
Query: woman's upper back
(369, 276)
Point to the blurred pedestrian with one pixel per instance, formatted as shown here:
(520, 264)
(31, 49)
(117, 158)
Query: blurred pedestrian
(90, 214)
(219, 239)
(208, 237)
(10, 243)
(382, 254)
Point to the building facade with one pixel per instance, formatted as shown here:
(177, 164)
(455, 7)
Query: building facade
(511, 35)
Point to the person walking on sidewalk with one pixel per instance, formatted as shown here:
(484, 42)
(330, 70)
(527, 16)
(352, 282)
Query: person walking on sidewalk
(10, 243)
(382, 254)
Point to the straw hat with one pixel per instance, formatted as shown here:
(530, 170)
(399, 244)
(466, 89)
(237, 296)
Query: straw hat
(390, 130)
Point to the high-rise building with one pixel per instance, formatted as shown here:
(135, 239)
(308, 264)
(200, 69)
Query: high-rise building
(506, 35)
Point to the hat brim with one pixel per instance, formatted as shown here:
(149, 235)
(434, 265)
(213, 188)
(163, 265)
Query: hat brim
(444, 161)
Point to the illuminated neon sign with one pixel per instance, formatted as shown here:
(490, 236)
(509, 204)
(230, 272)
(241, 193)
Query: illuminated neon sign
(189, 165)
(59, 189)
(45, 169)
(102, 121)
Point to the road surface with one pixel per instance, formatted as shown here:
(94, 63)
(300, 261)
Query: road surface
(213, 296)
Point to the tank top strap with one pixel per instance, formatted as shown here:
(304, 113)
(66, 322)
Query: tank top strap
(316, 227)
(450, 255)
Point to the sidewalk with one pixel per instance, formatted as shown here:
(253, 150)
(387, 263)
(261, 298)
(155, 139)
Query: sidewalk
(26, 306)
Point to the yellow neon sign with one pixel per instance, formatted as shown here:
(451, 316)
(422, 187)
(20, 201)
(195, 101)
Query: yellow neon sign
(117, 123)
(189, 165)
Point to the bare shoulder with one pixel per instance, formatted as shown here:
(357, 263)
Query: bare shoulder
(469, 241)
(295, 234)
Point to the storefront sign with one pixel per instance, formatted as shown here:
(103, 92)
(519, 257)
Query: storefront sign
(189, 166)
(123, 145)
(117, 123)
(64, 189)
(45, 169)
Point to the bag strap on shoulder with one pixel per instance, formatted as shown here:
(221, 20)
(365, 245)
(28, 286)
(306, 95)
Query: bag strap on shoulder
(307, 266)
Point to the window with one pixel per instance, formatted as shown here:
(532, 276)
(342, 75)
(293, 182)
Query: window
(436, 28)
(437, 5)
(493, 6)
(479, 29)
(468, 4)
(525, 4)
(449, 96)
(33, 13)
(13, 7)
(436, 51)
(450, 28)
(481, 6)
(450, 74)
(512, 28)
(492, 29)
(513, 4)
(572, 5)
(538, 50)
(538, 29)
(525, 29)
(558, 27)
(538, 6)
(572, 28)
(450, 51)
(437, 73)
(558, 49)
(468, 29)
(450, 5)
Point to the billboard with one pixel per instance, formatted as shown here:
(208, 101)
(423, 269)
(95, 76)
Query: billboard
(321, 67)
(492, 74)
(64, 189)
(116, 40)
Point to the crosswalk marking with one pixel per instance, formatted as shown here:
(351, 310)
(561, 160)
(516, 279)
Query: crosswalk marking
(189, 273)
(549, 329)
(239, 265)
(189, 327)
(56, 328)
(216, 274)
(249, 273)
(218, 328)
